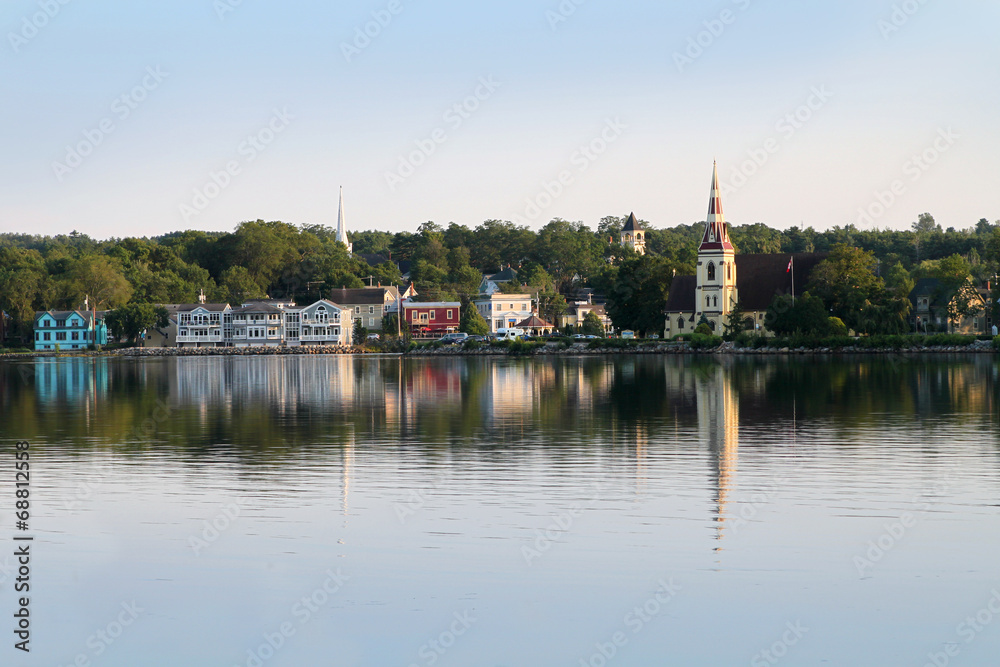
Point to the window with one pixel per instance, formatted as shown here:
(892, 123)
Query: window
(48, 336)
(708, 301)
(371, 310)
(680, 322)
(371, 321)
(450, 314)
(433, 314)
(357, 310)
(60, 335)
(748, 324)
(729, 271)
(715, 302)
(76, 335)
(711, 270)
(38, 336)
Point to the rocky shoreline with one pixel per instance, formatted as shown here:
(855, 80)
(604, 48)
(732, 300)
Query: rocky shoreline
(551, 349)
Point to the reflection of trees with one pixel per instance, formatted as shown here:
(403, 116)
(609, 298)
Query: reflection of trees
(262, 409)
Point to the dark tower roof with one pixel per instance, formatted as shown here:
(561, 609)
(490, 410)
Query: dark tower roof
(631, 225)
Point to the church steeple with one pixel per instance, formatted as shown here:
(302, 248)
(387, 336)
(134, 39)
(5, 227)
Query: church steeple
(633, 235)
(341, 224)
(716, 236)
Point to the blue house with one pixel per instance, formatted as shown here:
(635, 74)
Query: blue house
(69, 329)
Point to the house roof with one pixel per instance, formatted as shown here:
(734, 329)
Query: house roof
(505, 276)
(372, 259)
(86, 315)
(631, 225)
(596, 308)
(432, 304)
(362, 295)
(681, 297)
(258, 308)
(210, 307)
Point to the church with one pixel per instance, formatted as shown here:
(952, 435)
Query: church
(725, 278)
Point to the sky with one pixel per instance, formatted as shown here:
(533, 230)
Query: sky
(138, 118)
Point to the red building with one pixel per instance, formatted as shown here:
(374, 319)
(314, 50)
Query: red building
(429, 318)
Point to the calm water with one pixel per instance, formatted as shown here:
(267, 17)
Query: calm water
(486, 512)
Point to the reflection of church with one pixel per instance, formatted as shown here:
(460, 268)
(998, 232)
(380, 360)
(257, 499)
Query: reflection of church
(725, 278)
(719, 427)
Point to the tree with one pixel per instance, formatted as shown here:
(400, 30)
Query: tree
(925, 224)
(846, 283)
(129, 321)
(472, 322)
(803, 315)
(390, 325)
(238, 286)
(637, 297)
(100, 281)
(359, 334)
(592, 325)
(735, 325)
(551, 305)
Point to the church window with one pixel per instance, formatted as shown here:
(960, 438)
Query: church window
(680, 322)
(729, 271)
(748, 324)
(708, 301)
(715, 302)
(711, 270)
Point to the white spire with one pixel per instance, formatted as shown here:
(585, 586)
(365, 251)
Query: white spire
(341, 224)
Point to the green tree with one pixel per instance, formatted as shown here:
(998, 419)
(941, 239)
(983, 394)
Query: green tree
(846, 283)
(359, 334)
(638, 295)
(128, 322)
(802, 315)
(472, 322)
(592, 325)
(237, 286)
(735, 323)
(100, 281)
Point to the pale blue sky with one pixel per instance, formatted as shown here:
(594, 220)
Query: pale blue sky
(609, 67)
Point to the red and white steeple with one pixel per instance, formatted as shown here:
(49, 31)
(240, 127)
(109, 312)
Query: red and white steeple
(716, 235)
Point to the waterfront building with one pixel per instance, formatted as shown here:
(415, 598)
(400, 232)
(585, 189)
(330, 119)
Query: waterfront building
(429, 318)
(69, 329)
(503, 311)
(369, 304)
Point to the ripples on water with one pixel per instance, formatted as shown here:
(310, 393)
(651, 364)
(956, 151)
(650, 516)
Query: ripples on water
(545, 499)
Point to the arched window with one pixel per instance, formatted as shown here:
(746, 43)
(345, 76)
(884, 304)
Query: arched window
(708, 301)
(729, 271)
(680, 322)
(711, 270)
(748, 324)
(715, 302)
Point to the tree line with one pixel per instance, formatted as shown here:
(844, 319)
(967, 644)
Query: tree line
(303, 262)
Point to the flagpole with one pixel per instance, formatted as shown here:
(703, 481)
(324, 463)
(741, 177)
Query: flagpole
(791, 263)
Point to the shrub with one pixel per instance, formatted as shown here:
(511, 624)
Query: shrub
(703, 342)
(996, 343)
(948, 340)
(703, 330)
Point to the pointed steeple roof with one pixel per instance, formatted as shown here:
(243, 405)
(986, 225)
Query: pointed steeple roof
(342, 223)
(716, 236)
(631, 225)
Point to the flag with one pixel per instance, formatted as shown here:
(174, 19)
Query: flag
(789, 269)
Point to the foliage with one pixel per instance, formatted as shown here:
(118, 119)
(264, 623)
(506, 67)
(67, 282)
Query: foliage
(128, 322)
(636, 298)
(836, 326)
(592, 325)
(804, 315)
(703, 329)
(704, 342)
(472, 322)
(359, 334)
(735, 323)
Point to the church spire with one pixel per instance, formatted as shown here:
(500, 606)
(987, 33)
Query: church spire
(341, 224)
(716, 235)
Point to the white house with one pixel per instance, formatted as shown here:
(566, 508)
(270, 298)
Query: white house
(503, 310)
(322, 323)
(258, 324)
(198, 325)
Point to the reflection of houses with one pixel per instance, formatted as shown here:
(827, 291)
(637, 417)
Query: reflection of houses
(934, 305)
(69, 329)
(503, 311)
(724, 279)
(80, 381)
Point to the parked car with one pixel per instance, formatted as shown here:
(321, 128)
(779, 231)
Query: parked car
(452, 338)
(373, 336)
(580, 336)
(628, 333)
(510, 334)
(653, 337)
(477, 339)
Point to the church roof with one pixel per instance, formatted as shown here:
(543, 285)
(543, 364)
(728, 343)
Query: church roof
(681, 297)
(631, 225)
(759, 278)
(716, 236)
